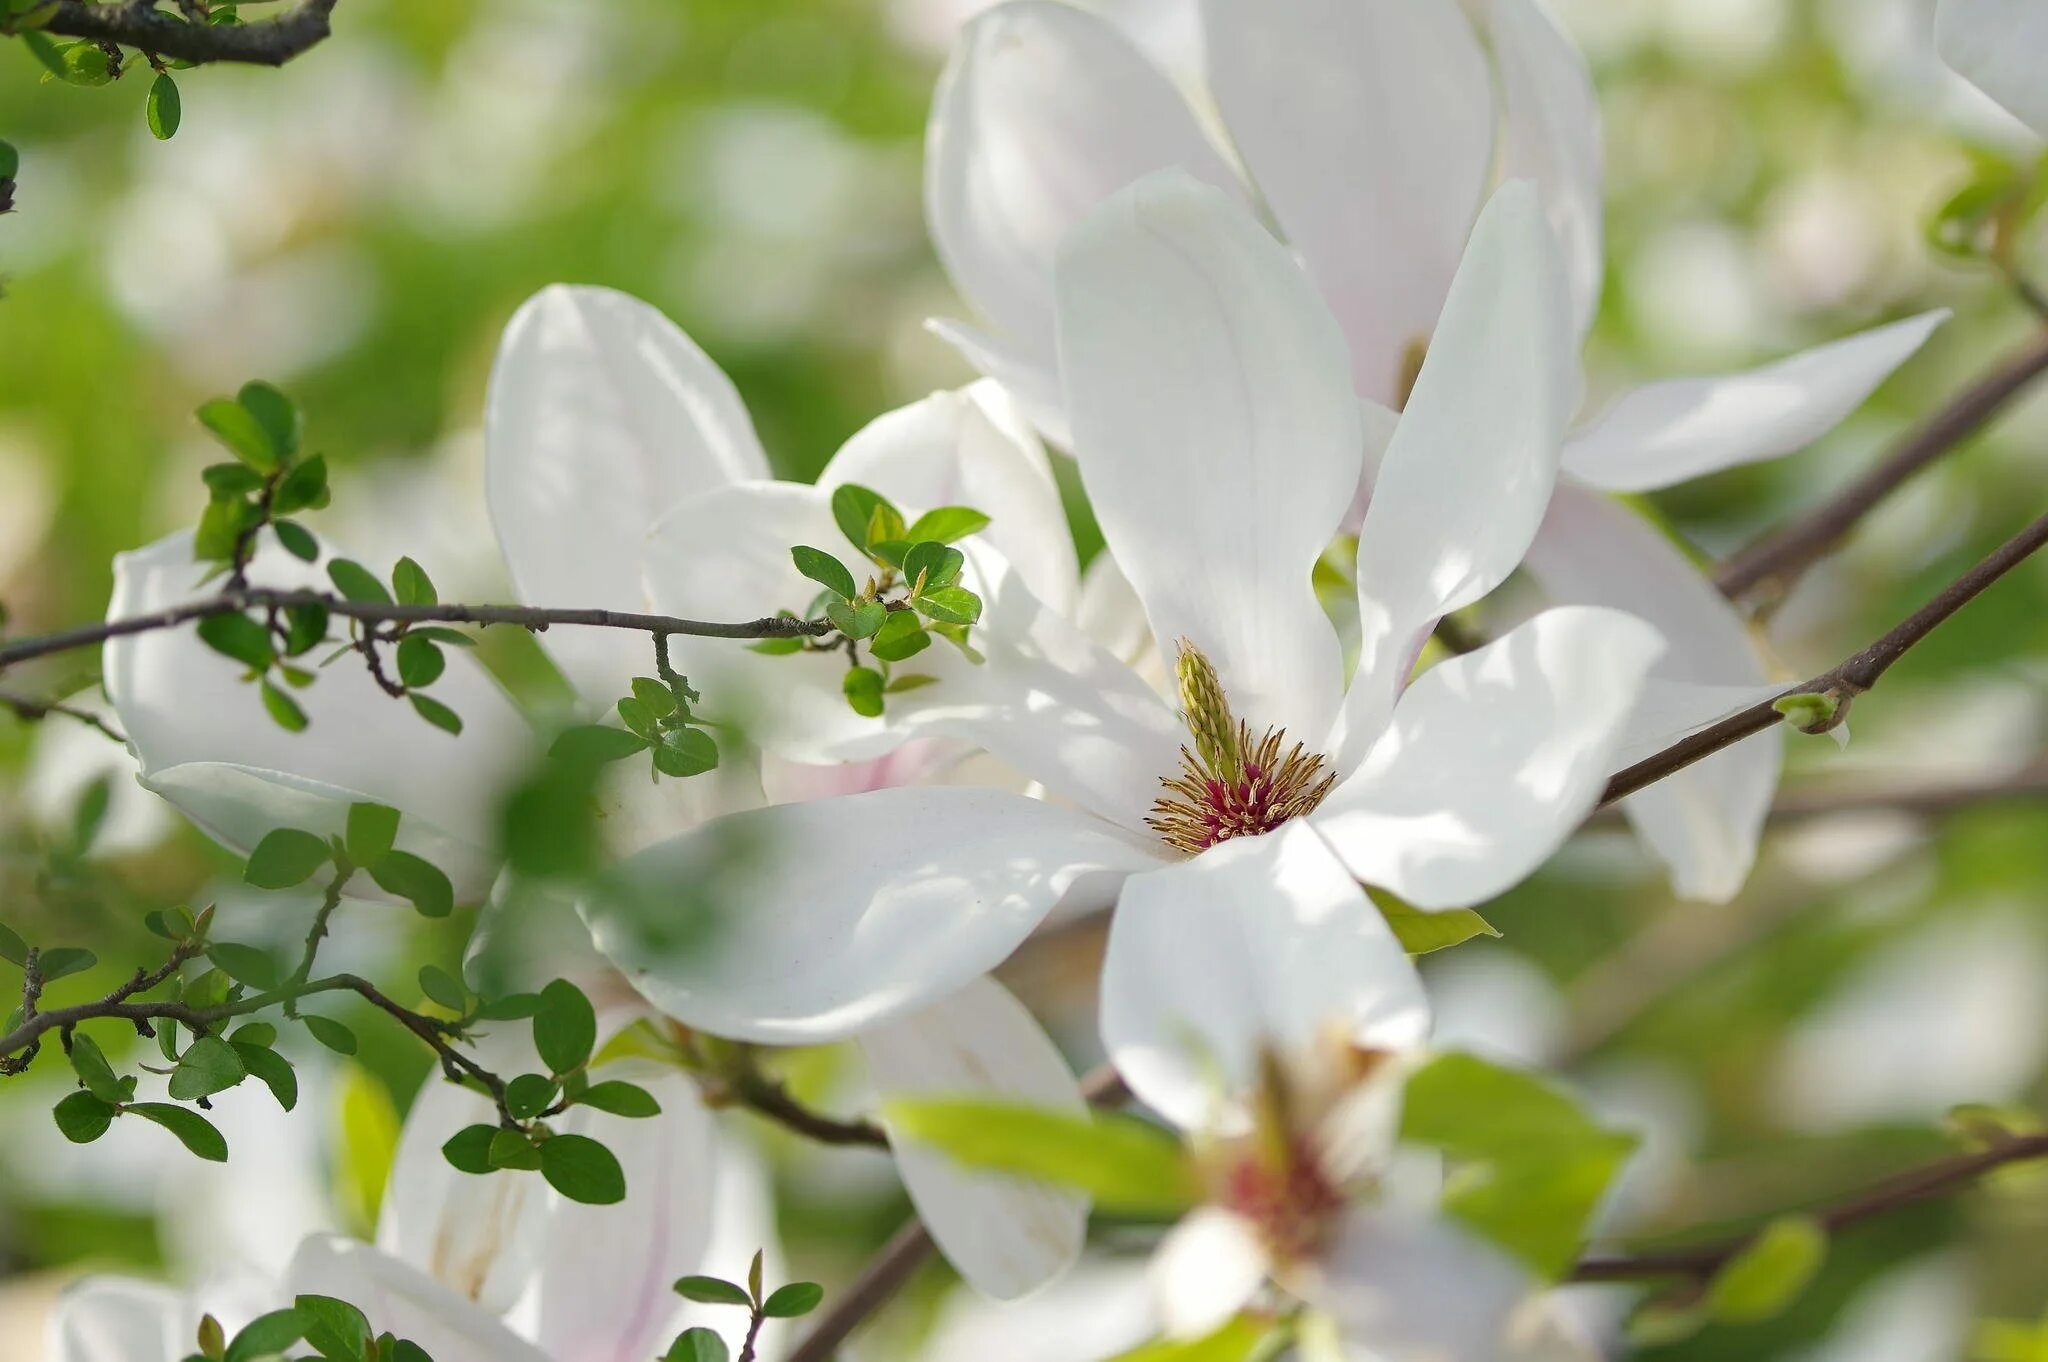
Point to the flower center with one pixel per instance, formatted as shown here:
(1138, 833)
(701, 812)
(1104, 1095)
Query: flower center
(1288, 1200)
(1229, 785)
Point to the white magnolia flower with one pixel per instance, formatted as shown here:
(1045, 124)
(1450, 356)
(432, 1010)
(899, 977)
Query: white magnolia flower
(1221, 441)
(1371, 133)
(1999, 46)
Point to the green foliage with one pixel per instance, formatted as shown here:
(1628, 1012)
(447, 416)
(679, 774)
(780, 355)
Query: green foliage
(372, 828)
(1421, 932)
(712, 1291)
(194, 1131)
(209, 1065)
(286, 857)
(1123, 1163)
(1236, 1341)
(163, 109)
(697, 1345)
(1770, 1272)
(565, 1028)
(620, 1099)
(797, 1298)
(822, 568)
(357, 583)
(583, 1170)
(415, 879)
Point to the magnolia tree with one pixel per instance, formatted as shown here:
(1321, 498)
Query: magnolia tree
(830, 753)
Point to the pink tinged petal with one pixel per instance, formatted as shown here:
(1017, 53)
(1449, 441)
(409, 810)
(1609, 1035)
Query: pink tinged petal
(1260, 943)
(1369, 130)
(1997, 45)
(970, 448)
(1663, 433)
(1206, 1269)
(1551, 136)
(1416, 1289)
(602, 1293)
(115, 1319)
(601, 415)
(185, 706)
(1007, 1236)
(1043, 112)
(1217, 434)
(1470, 468)
(840, 914)
(1492, 759)
(402, 1299)
(1704, 821)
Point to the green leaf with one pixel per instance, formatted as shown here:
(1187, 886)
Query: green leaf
(80, 63)
(863, 689)
(245, 964)
(909, 681)
(419, 882)
(209, 1065)
(468, 1150)
(822, 568)
(565, 1028)
(637, 718)
(946, 524)
(260, 1034)
(420, 662)
(90, 813)
(235, 426)
(595, 744)
(697, 1345)
(12, 948)
(266, 1336)
(334, 1328)
(83, 1117)
(89, 1062)
(357, 583)
(64, 961)
(1123, 1163)
(528, 1095)
(302, 489)
(857, 621)
(686, 752)
(659, 699)
(511, 1007)
(443, 988)
(329, 1033)
(273, 1069)
(901, 638)
(712, 1291)
(1530, 1166)
(161, 110)
(276, 414)
(777, 647)
(305, 628)
(950, 605)
(283, 710)
(1236, 1341)
(237, 636)
(285, 857)
(582, 1170)
(436, 713)
(10, 161)
(797, 1298)
(1770, 1272)
(1808, 712)
(512, 1149)
(1421, 932)
(298, 541)
(939, 564)
(371, 830)
(620, 1099)
(230, 479)
(194, 1131)
(221, 526)
(853, 510)
(412, 584)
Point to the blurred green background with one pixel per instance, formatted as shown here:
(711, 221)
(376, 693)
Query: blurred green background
(358, 226)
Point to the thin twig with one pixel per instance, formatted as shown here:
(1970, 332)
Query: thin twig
(270, 42)
(1918, 800)
(33, 711)
(755, 1090)
(328, 903)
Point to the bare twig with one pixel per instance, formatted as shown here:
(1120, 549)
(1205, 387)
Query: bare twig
(269, 42)
(749, 1087)
(1919, 800)
(35, 710)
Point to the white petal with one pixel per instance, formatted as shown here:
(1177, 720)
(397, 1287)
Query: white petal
(1662, 433)
(1703, 821)
(970, 448)
(842, 913)
(117, 1319)
(1492, 759)
(1217, 434)
(601, 415)
(603, 1290)
(404, 1300)
(1464, 482)
(1206, 1269)
(1043, 112)
(1416, 1289)
(1997, 45)
(1369, 129)
(1007, 1236)
(182, 703)
(527, 936)
(1110, 613)
(1262, 943)
(1032, 381)
(1551, 135)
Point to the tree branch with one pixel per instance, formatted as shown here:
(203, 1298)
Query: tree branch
(32, 711)
(1844, 682)
(138, 24)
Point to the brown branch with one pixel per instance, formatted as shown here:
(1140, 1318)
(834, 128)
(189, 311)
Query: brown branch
(1842, 683)
(745, 1084)
(1914, 1185)
(1918, 800)
(138, 24)
(535, 618)
(1778, 558)
(33, 711)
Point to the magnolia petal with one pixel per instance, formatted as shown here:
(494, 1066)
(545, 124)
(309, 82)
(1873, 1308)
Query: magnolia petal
(1551, 135)
(1032, 381)
(971, 448)
(1704, 821)
(182, 704)
(1043, 111)
(1006, 1235)
(601, 415)
(808, 922)
(1470, 468)
(404, 1300)
(1369, 130)
(1261, 943)
(1206, 1269)
(1414, 1288)
(1996, 45)
(1492, 759)
(118, 1319)
(1217, 435)
(1663, 433)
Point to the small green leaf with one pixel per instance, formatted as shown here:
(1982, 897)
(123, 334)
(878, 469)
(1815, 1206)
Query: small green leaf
(945, 525)
(357, 583)
(260, 1034)
(863, 689)
(901, 638)
(276, 414)
(857, 621)
(442, 987)
(283, 710)
(712, 1291)
(420, 663)
(595, 744)
(620, 1099)
(273, 1069)
(469, 1149)
(853, 510)
(686, 752)
(372, 828)
(1421, 932)
(12, 948)
(235, 426)
(822, 568)
(777, 647)
(245, 964)
(230, 479)
(697, 1345)
(797, 1298)
(511, 1007)
(950, 605)
(582, 1170)
(418, 881)
(162, 110)
(305, 628)
(528, 1095)
(237, 636)
(439, 633)
(91, 813)
(565, 1028)
(1770, 1272)
(83, 1117)
(637, 718)
(512, 1149)
(410, 581)
(266, 1336)
(329, 1033)
(436, 713)
(1123, 1163)
(302, 489)
(298, 541)
(209, 1065)
(65, 961)
(285, 857)
(939, 565)
(194, 1131)
(334, 1328)
(659, 699)
(89, 1062)
(10, 161)
(1808, 712)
